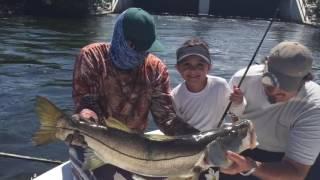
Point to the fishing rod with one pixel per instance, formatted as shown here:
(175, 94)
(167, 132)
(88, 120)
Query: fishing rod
(17, 156)
(250, 63)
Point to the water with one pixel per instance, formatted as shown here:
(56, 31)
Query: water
(37, 56)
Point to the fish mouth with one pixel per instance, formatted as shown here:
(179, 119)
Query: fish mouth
(235, 137)
(240, 128)
(246, 132)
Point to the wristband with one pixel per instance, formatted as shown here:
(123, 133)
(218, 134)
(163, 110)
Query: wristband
(248, 173)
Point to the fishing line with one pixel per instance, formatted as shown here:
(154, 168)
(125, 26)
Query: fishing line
(249, 65)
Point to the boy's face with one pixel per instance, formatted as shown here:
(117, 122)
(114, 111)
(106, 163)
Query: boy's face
(194, 70)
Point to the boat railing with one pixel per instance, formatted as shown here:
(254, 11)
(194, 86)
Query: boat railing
(302, 5)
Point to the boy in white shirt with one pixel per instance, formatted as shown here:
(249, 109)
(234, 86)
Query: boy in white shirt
(202, 99)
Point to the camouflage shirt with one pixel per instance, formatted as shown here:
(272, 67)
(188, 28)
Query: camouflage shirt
(125, 95)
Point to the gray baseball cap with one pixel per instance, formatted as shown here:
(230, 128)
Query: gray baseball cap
(195, 50)
(287, 65)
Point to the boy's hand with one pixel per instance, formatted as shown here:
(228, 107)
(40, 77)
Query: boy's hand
(236, 96)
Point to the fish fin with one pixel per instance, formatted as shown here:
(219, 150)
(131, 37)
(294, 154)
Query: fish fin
(116, 124)
(91, 160)
(48, 115)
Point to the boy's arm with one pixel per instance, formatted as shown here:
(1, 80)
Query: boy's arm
(237, 97)
(238, 100)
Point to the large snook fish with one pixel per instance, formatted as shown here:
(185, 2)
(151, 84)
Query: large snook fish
(147, 155)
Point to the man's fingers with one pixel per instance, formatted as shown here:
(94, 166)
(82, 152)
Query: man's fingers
(234, 168)
(69, 139)
(75, 139)
(235, 157)
(88, 115)
(230, 170)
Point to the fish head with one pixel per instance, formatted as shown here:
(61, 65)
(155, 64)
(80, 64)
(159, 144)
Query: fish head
(235, 137)
(239, 136)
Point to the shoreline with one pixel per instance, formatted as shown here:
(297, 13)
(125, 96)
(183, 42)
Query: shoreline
(18, 8)
(13, 8)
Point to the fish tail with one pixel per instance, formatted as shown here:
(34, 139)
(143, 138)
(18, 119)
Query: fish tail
(48, 115)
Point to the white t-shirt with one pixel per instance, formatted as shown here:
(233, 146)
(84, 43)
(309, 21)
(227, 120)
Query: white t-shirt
(203, 110)
(292, 127)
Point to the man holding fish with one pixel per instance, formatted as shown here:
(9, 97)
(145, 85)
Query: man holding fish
(284, 106)
(123, 80)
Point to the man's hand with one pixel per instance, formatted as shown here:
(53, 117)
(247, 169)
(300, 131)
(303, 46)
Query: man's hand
(76, 139)
(88, 115)
(240, 164)
(286, 169)
(236, 96)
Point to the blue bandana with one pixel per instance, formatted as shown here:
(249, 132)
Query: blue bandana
(122, 56)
